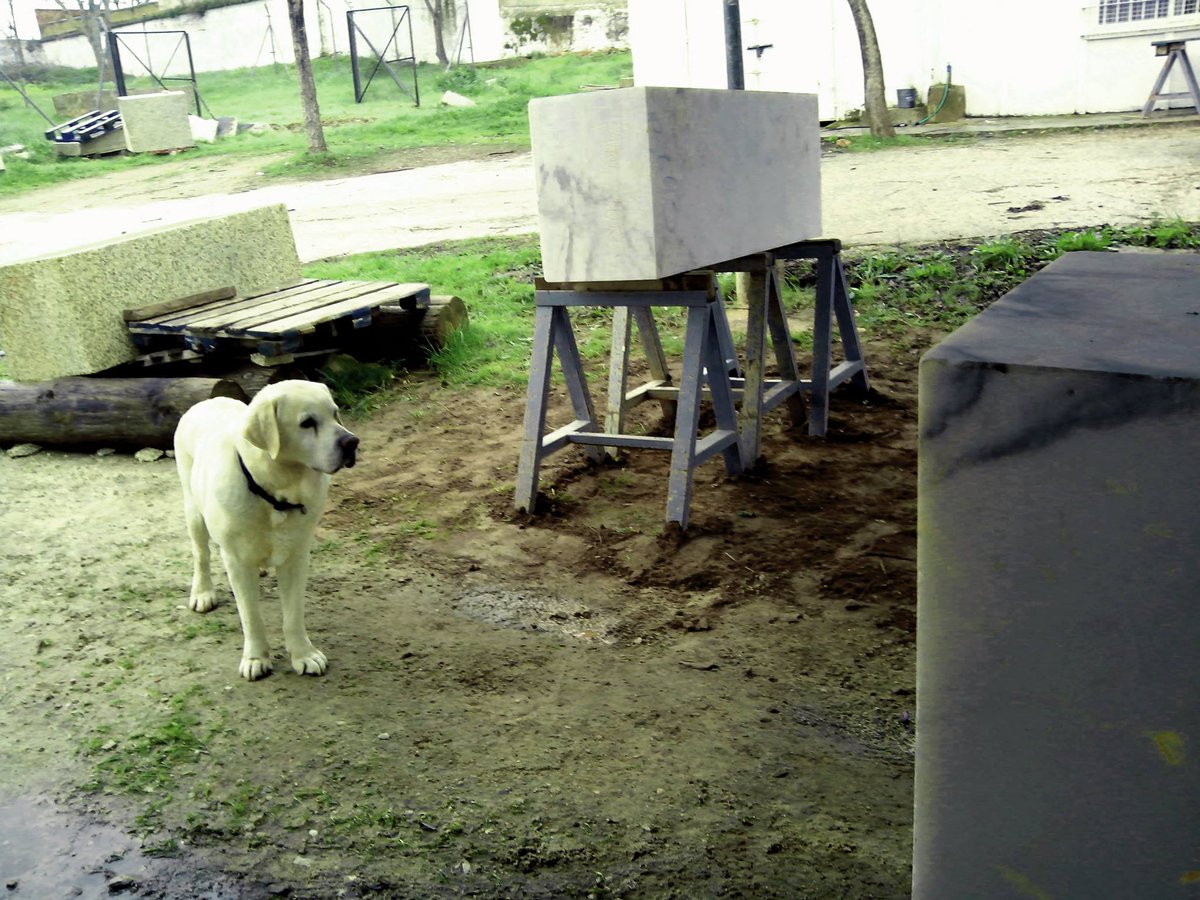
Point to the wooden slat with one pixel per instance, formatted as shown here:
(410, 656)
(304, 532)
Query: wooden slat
(179, 321)
(272, 306)
(262, 306)
(349, 294)
(172, 306)
(388, 293)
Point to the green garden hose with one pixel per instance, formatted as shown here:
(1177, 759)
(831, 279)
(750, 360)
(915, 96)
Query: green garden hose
(942, 102)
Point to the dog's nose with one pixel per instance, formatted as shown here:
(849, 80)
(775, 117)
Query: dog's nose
(348, 444)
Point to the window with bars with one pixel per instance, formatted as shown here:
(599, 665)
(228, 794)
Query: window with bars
(1115, 11)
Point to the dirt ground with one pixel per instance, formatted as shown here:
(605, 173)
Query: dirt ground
(575, 704)
(567, 705)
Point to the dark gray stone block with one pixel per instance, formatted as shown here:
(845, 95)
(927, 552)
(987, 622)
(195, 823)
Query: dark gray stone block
(1058, 614)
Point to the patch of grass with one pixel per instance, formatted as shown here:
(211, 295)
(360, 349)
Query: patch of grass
(1172, 234)
(1002, 254)
(1084, 240)
(494, 278)
(146, 761)
(208, 626)
(356, 133)
(939, 287)
(356, 385)
(943, 286)
(865, 143)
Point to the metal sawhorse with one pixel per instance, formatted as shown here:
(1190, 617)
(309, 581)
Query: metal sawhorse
(1175, 52)
(709, 358)
(766, 313)
(703, 361)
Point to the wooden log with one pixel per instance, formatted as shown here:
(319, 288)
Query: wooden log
(409, 334)
(434, 325)
(103, 412)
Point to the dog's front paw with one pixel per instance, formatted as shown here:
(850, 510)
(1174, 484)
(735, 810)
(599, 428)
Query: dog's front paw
(253, 668)
(203, 601)
(312, 662)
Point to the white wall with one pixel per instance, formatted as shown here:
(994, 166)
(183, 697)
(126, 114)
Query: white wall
(22, 13)
(1023, 57)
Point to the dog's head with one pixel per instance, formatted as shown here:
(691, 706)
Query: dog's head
(298, 422)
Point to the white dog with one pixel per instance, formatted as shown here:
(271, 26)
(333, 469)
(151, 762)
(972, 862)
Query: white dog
(254, 480)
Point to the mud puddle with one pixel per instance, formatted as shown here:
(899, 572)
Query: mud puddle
(48, 851)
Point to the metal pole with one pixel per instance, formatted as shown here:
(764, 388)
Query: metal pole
(187, 42)
(734, 70)
(114, 59)
(353, 56)
(413, 52)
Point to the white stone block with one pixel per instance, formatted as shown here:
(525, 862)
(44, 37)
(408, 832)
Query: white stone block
(204, 131)
(155, 122)
(646, 182)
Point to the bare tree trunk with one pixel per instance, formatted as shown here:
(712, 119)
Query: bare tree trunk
(875, 102)
(308, 89)
(93, 20)
(16, 38)
(438, 13)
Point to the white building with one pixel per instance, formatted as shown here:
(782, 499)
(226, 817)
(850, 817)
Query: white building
(255, 32)
(1022, 57)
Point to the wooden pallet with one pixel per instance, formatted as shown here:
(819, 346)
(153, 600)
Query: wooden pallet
(272, 326)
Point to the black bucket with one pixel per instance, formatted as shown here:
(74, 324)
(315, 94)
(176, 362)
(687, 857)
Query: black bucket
(906, 98)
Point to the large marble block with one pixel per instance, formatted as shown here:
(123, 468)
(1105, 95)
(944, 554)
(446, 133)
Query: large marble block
(156, 122)
(1058, 612)
(645, 182)
(61, 314)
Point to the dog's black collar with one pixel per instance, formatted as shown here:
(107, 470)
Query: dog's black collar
(258, 491)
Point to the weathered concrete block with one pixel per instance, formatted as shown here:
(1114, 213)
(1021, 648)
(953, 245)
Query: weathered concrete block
(955, 107)
(641, 183)
(156, 121)
(1058, 625)
(73, 105)
(61, 314)
(109, 142)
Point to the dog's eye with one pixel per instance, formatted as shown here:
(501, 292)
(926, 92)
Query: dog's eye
(310, 422)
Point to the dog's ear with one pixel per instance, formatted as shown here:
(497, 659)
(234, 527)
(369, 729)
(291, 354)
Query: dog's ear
(262, 427)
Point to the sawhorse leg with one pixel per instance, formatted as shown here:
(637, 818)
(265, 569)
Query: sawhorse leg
(702, 353)
(833, 301)
(1176, 52)
(551, 332)
(766, 313)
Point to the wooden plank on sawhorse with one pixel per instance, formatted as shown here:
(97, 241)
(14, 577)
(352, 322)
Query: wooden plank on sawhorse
(704, 361)
(1175, 52)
